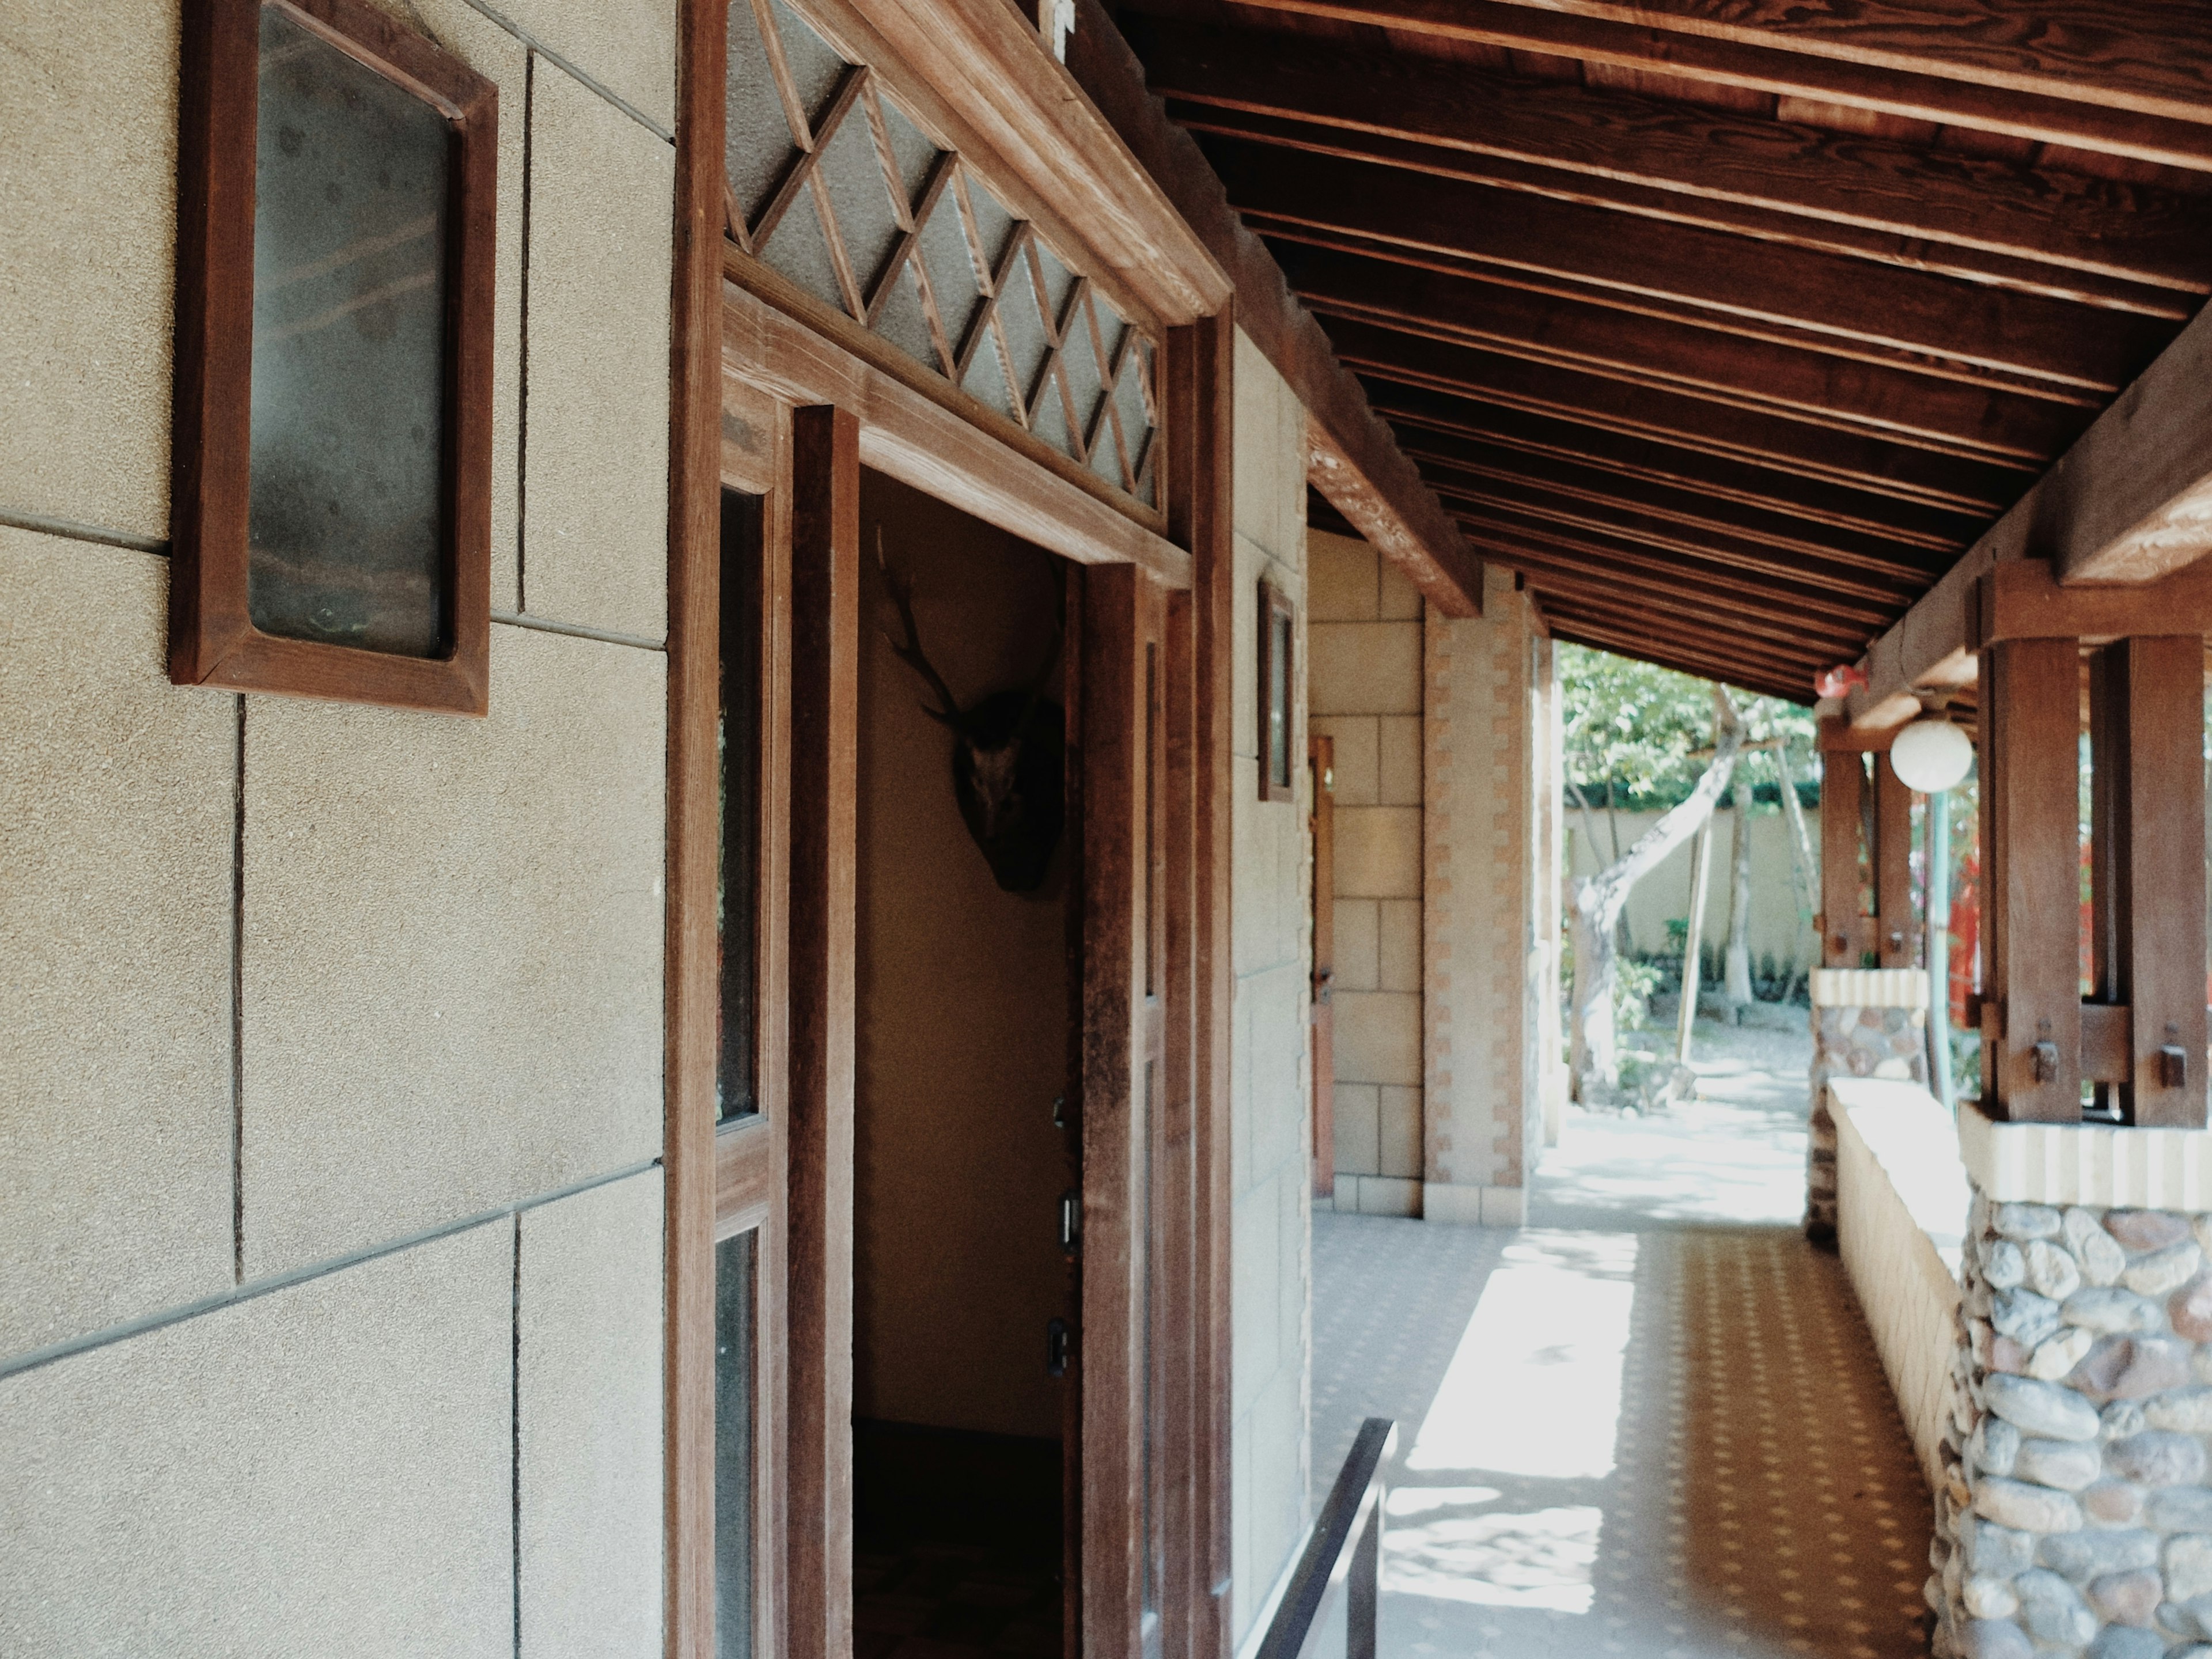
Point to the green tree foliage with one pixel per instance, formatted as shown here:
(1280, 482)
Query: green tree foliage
(1637, 737)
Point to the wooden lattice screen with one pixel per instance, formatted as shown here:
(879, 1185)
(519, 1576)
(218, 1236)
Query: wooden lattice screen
(906, 239)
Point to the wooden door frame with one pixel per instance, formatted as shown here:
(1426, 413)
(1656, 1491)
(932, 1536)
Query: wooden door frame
(763, 405)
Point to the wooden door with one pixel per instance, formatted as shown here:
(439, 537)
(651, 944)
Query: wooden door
(1321, 755)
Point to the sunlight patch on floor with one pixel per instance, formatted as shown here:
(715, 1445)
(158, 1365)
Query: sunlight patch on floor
(1533, 1388)
(1445, 1542)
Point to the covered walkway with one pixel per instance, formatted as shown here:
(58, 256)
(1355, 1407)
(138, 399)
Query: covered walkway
(1652, 1423)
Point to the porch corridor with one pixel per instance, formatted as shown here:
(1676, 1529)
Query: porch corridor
(1652, 1424)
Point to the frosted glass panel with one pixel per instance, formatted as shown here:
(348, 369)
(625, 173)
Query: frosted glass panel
(758, 146)
(854, 174)
(345, 543)
(799, 250)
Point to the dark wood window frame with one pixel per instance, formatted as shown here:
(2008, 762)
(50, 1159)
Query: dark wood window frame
(1275, 604)
(212, 639)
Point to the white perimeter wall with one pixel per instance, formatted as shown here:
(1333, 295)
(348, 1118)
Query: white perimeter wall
(1271, 901)
(331, 1081)
(1777, 923)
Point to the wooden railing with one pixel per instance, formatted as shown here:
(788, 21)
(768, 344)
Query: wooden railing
(1328, 1608)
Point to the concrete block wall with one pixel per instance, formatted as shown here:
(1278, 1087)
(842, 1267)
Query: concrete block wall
(1366, 695)
(1272, 952)
(330, 1098)
(1491, 1035)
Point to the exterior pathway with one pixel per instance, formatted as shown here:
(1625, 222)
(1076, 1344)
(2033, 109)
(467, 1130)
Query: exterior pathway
(1652, 1423)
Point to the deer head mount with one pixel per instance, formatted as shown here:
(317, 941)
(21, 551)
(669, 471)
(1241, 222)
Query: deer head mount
(1009, 751)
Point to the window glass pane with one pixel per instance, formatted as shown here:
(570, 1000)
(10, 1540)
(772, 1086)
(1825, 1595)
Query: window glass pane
(853, 170)
(1279, 698)
(344, 530)
(738, 748)
(986, 378)
(735, 1270)
(799, 249)
(951, 272)
(758, 144)
(815, 69)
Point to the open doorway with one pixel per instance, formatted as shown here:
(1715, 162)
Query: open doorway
(965, 1157)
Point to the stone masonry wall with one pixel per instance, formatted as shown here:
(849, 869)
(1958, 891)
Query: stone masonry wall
(1871, 1023)
(2076, 1515)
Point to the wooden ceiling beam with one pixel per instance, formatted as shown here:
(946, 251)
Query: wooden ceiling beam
(1892, 579)
(1684, 630)
(1755, 606)
(2122, 83)
(1831, 236)
(1457, 464)
(1795, 176)
(1785, 445)
(1600, 634)
(1415, 414)
(1891, 401)
(1733, 278)
(1746, 562)
(1861, 605)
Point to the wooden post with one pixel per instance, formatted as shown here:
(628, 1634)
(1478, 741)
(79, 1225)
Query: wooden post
(2155, 688)
(825, 637)
(1842, 922)
(1892, 867)
(2032, 997)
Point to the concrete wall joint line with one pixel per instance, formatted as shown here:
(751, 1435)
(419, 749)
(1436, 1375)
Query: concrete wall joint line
(515, 1409)
(522, 349)
(578, 630)
(237, 1006)
(599, 87)
(46, 523)
(124, 1330)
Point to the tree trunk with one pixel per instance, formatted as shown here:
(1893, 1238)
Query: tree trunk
(1801, 843)
(1736, 978)
(1599, 899)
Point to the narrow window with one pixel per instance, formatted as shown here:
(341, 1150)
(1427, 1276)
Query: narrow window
(1277, 633)
(332, 512)
(737, 752)
(735, 1273)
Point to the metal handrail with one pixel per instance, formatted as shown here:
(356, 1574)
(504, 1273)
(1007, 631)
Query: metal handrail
(1343, 1557)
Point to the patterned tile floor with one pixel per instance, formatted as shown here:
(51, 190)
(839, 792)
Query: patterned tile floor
(1650, 1424)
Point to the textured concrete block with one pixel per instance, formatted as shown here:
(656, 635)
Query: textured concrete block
(326, 1469)
(1388, 1196)
(452, 948)
(1279, 1109)
(1270, 484)
(629, 46)
(1270, 843)
(1342, 579)
(1398, 1112)
(589, 1401)
(1455, 1205)
(1255, 1265)
(1396, 598)
(1398, 760)
(595, 490)
(1398, 945)
(499, 57)
(118, 800)
(87, 260)
(1365, 668)
(1378, 853)
(1356, 1123)
(1378, 1038)
(1354, 760)
(1505, 1206)
(1358, 961)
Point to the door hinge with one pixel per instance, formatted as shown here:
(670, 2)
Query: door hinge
(1071, 1222)
(1059, 1344)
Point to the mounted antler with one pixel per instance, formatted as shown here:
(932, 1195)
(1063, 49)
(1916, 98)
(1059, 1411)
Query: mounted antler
(1008, 749)
(901, 589)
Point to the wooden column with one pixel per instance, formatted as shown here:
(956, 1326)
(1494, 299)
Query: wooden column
(1842, 919)
(2150, 765)
(825, 580)
(2031, 974)
(1893, 935)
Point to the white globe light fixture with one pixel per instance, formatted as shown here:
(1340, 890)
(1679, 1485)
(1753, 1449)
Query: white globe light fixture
(1931, 755)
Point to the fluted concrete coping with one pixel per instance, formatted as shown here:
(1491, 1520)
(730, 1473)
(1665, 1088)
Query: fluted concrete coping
(1869, 987)
(2089, 1164)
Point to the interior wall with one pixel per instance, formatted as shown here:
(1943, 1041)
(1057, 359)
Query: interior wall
(330, 1089)
(1366, 694)
(963, 1010)
(1271, 852)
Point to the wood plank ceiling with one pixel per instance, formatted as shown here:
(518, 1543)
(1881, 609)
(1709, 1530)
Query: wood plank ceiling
(1727, 324)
